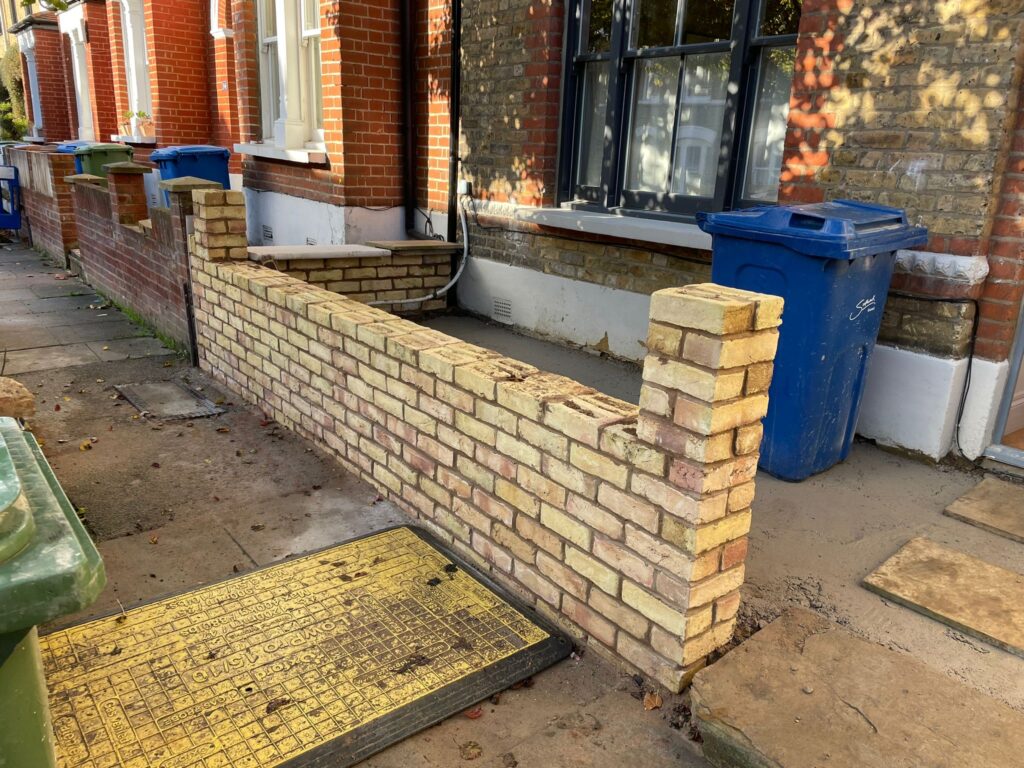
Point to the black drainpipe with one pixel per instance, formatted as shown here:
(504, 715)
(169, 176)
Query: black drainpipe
(407, 24)
(454, 111)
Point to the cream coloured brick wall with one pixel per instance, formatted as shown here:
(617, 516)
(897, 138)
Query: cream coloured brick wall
(626, 525)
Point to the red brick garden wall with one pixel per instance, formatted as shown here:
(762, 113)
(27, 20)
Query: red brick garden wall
(143, 269)
(47, 206)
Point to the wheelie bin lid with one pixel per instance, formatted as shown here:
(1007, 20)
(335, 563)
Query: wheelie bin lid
(188, 150)
(840, 229)
(88, 149)
(70, 147)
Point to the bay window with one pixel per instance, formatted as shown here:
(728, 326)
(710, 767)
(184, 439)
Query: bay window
(676, 106)
(291, 91)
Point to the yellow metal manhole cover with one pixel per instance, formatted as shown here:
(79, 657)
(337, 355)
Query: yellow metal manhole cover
(319, 661)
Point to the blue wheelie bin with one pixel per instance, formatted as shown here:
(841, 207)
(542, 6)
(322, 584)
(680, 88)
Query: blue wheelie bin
(832, 263)
(69, 147)
(200, 160)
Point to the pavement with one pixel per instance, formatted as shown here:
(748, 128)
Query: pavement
(176, 504)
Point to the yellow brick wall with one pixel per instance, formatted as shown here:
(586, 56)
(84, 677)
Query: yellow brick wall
(627, 526)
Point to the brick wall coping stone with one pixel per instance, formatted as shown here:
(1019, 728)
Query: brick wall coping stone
(85, 178)
(940, 275)
(127, 167)
(417, 246)
(264, 253)
(188, 183)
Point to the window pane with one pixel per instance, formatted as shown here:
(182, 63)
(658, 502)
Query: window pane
(273, 89)
(781, 17)
(599, 33)
(316, 86)
(654, 111)
(268, 16)
(768, 131)
(654, 23)
(310, 15)
(707, 20)
(699, 134)
(592, 124)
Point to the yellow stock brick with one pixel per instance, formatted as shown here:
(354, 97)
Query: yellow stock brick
(482, 378)
(476, 429)
(599, 465)
(654, 609)
(622, 442)
(663, 339)
(518, 450)
(546, 440)
(528, 397)
(687, 307)
(699, 647)
(716, 586)
(702, 538)
(707, 419)
(442, 361)
(703, 384)
(599, 575)
(731, 352)
(565, 526)
(517, 497)
(583, 417)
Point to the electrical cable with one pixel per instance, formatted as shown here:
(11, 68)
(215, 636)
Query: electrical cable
(458, 273)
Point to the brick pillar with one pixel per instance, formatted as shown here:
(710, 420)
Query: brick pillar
(219, 225)
(704, 393)
(182, 208)
(127, 192)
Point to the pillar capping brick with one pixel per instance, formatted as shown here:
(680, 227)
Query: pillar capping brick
(126, 167)
(188, 184)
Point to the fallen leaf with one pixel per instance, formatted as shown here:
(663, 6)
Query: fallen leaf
(154, 539)
(168, 364)
(56, 407)
(258, 527)
(470, 750)
(276, 704)
(105, 346)
(223, 430)
(85, 445)
(652, 700)
(475, 713)
(67, 399)
(155, 465)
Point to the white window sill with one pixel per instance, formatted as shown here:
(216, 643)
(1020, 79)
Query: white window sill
(133, 139)
(626, 227)
(272, 152)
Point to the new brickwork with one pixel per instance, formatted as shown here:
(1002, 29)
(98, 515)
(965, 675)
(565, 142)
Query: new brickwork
(626, 525)
(387, 277)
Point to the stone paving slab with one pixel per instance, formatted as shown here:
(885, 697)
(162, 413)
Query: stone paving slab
(976, 597)
(100, 329)
(994, 505)
(803, 693)
(44, 358)
(122, 349)
(26, 338)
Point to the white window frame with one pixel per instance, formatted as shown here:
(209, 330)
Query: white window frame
(288, 117)
(136, 63)
(72, 23)
(27, 44)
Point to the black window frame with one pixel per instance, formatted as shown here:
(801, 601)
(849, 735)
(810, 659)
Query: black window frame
(746, 45)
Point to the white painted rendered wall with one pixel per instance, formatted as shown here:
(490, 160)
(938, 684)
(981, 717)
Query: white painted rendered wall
(296, 220)
(910, 399)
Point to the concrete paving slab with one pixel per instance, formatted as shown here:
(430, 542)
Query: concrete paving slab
(48, 358)
(62, 303)
(994, 505)
(26, 338)
(617, 378)
(12, 293)
(100, 329)
(57, 289)
(976, 597)
(802, 693)
(53, 319)
(122, 349)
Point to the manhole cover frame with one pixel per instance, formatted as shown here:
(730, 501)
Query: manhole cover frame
(371, 738)
(204, 406)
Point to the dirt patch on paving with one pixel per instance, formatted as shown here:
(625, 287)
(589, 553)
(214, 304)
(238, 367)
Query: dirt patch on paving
(131, 474)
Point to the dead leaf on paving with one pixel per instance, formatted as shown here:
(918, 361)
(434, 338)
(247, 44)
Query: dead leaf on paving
(470, 750)
(652, 700)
